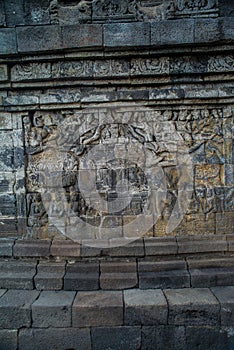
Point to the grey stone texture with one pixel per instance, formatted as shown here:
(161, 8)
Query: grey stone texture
(98, 308)
(7, 41)
(51, 338)
(225, 296)
(17, 274)
(79, 36)
(49, 275)
(163, 337)
(8, 339)
(82, 276)
(65, 248)
(121, 274)
(6, 247)
(118, 338)
(192, 307)
(32, 248)
(52, 309)
(147, 307)
(15, 308)
(154, 273)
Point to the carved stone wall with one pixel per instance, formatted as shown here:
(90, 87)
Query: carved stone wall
(137, 87)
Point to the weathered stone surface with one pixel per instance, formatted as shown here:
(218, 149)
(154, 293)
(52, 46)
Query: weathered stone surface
(101, 308)
(15, 308)
(126, 247)
(14, 12)
(201, 244)
(7, 41)
(49, 275)
(212, 34)
(192, 307)
(82, 276)
(145, 307)
(118, 338)
(85, 35)
(17, 274)
(160, 246)
(126, 34)
(175, 32)
(36, 13)
(118, 274)
(67, 338)
(163, 274)
(8, 339)
(40, 38)
(161, 337)
(52, 309)
(65, 248)
(5, 121)
(20, 100)
(6, 247)
(212, 277)
(3, 72)
(225, 296)
(208, 338)
(32, 248)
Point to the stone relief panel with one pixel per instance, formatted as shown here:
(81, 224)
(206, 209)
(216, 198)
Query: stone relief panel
(126, 146)
(101, 11)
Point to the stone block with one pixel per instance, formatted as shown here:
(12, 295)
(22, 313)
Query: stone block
(14, 10)
(126, 247)
(160, 246)
(163, 337)
(8, 339)
(17, 274)
(118, 274)
(163, 274)
(36, 13)
(225, 296)
(32, 248)
(212, 277)
(85, 35)
(38, 38)
(5, 121)
(6, 245)
(20, 100)
(145, 307)
(15, 308)
(65, 248)
(224, 223)
(60, 96)
(51, 338)
(2, 14)
(201, 244)
(207, 338)
(7, 41)
(49, 275)
(212, 32)
(3, 72)
(126, 35)
(192, 307)
(176, 32)
(7, 205)
(227, 28)
(118, 338)
(52, 309)
(82, 276)
(98, 309)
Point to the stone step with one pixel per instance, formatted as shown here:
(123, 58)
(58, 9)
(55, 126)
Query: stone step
(143, 247)
(116, 273)
(129, 319)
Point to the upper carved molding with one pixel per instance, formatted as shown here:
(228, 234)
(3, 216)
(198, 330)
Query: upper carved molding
(101, 11)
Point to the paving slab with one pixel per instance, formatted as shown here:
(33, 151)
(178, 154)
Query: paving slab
(145, 307)
(99, 308)
(53, 309)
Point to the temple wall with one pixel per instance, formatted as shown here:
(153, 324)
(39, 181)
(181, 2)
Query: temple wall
(144, 90)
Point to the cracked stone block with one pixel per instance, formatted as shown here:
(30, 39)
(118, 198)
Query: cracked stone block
(225, 296)
(49, 275)
(17, 274)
